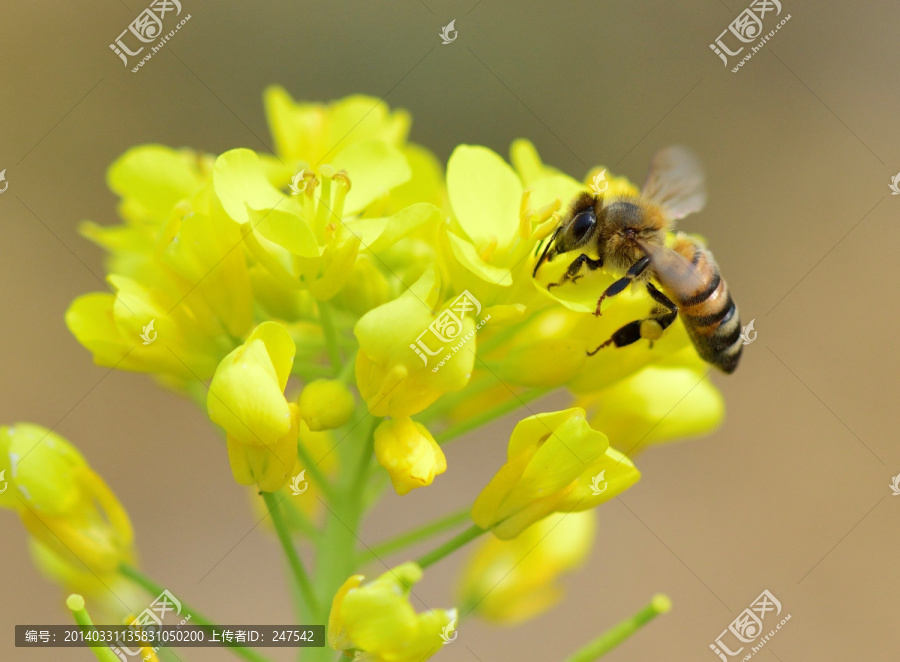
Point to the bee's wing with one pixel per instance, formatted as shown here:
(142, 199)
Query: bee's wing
(674, 271)
(675, 182)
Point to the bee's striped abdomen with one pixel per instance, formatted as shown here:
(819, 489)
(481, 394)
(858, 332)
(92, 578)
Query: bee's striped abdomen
(707, 310)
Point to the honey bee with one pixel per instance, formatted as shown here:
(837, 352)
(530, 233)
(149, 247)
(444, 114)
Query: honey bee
(629, 234)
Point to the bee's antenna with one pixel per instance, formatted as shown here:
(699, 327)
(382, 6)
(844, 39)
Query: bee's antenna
(546, 249)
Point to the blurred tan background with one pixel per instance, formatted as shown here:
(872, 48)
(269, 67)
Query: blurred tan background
(790, 495)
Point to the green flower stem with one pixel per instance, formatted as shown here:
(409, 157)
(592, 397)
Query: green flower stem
(336, 552)
(603, 644)
(486, 417)
(315, 472)
(335, 563)
(366, 453)
(284, 536)
(326, 319)
(298, 519)
(75, 603)
(417, 535)
(348, 373)
(153, 588)
(167, 655)
(335, 559)
(450, 546)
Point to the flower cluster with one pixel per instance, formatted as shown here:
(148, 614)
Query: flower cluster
(79, 532)
(345, 300)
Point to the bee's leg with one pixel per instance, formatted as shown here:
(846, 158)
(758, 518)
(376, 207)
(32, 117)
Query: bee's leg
(572, 272)
(661, 299)
(653, 327)
(650, 328)
(634, 272)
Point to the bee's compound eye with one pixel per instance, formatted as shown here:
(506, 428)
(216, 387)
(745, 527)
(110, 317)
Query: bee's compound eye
(582, 223)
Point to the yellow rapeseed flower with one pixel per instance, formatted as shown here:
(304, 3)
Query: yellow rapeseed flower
(377, 619)
(409, 453)
(668, 400)
(552, 462)
(510, 581)
(246, 397)
(390, 374)
(326, 404)
(79, 528)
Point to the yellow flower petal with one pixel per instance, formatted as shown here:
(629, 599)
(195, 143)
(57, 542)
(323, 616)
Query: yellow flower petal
(377, 618)
(469, 258)
(390, 374)
(409, 453)
(657, 404)
(550, 460)
(511, 581)
(288, 229)
(378, 234)
(155, 177)
(326, 404)
(485, 194)
(374, 167)
(246, 394)
(240, 183)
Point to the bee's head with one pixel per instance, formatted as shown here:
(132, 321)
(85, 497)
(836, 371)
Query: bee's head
(577, 228)
(629, 223)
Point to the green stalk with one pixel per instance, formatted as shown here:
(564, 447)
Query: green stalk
(326, 319)
(335, 563)
(348, 372)
(603, 644)
(298, 519)
(416, 535)
(75, 603)
(153, 588)
(486, 417)
(450, 546)
(315, 472)
(337, 548)
(167, 655)
(358, 482)
(284, 536)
